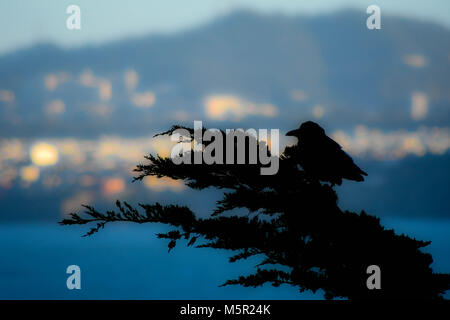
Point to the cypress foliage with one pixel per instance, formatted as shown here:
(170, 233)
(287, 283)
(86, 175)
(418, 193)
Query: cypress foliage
(297, 228)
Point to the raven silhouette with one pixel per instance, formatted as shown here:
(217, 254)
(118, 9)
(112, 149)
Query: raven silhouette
(321, 157)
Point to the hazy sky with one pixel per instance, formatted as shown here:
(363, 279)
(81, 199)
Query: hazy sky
(25, 22)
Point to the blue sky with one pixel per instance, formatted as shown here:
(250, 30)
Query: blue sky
(25, 22)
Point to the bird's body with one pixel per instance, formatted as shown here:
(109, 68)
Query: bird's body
(321, 157)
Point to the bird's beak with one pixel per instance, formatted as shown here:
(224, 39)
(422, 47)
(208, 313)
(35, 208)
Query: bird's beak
(293, 133)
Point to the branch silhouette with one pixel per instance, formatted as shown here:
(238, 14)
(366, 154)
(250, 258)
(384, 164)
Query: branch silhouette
(297, 228)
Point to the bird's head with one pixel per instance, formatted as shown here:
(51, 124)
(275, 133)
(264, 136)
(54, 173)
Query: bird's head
(307, 129)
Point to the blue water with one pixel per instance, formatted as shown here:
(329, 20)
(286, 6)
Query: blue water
(127, 261)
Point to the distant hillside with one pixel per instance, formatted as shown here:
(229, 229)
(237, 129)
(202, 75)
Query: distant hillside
(356, 74)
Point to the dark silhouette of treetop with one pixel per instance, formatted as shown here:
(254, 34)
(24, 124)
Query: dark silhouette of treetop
(294, 223)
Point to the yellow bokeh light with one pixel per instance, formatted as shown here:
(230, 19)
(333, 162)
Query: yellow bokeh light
(105, 90)
(415, 60)
(55, 107)
(30, 173)
(419, 105)
(44, 154)
(299, 95)
(163, 146)
(113, 186)
(131, 79)
(223, 107)
(87, 78)
(51, 82)
(218, 106)
(144, 100)
(318, 111)
(163, 184)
